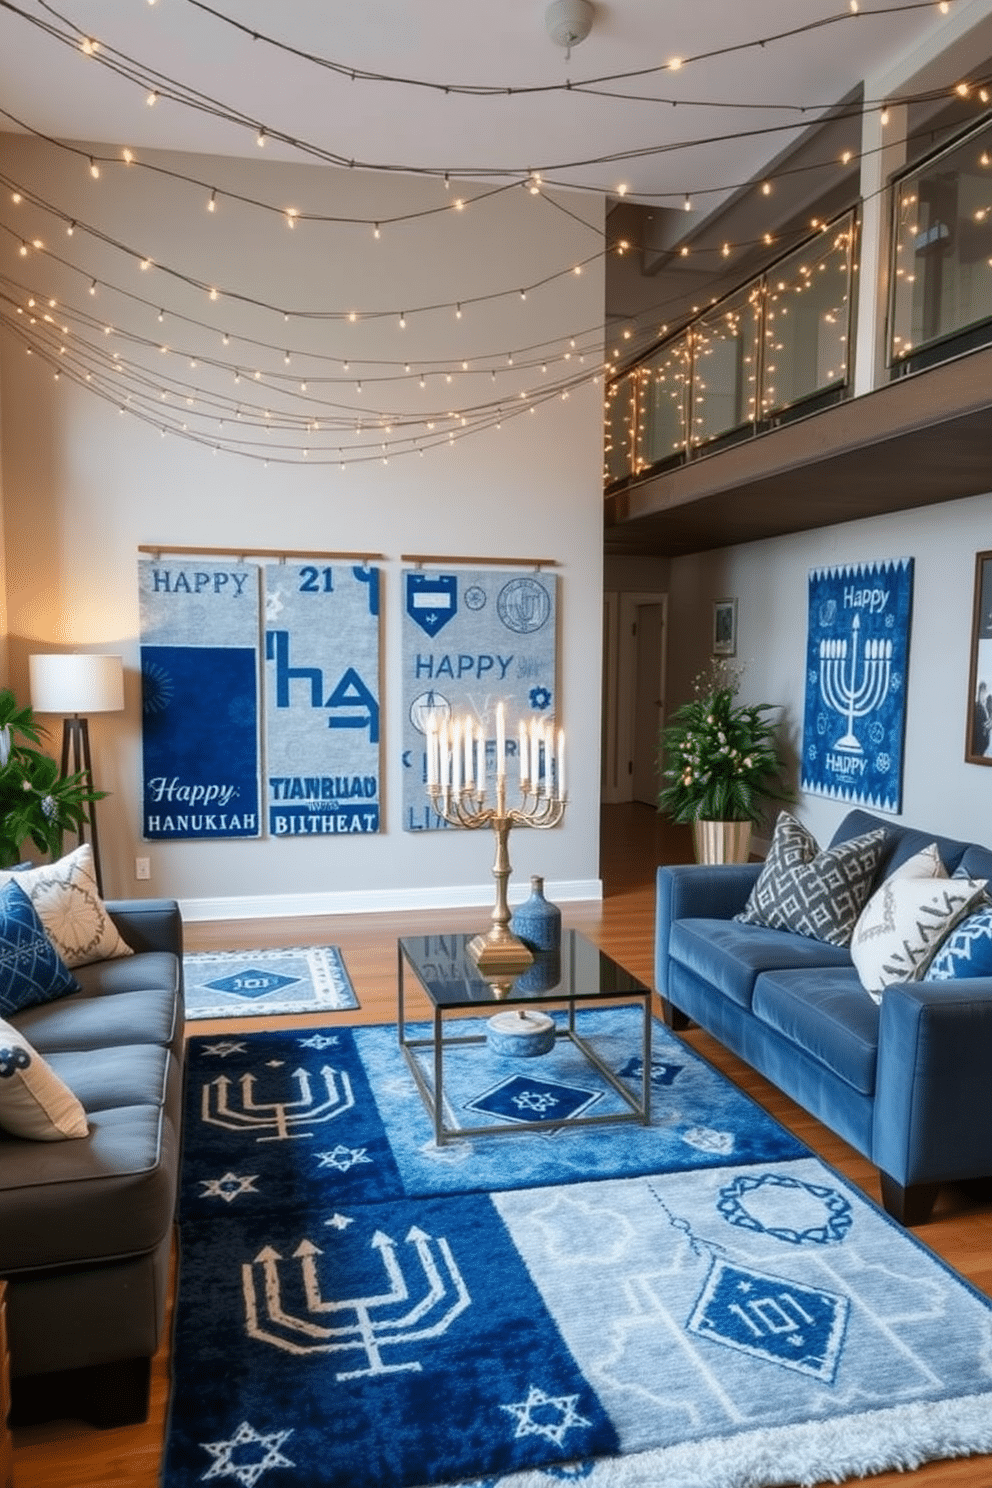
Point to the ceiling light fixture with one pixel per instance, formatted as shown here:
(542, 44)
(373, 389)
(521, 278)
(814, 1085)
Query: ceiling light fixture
(568, 22)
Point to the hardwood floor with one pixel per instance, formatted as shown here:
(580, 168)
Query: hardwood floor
(69, 1455)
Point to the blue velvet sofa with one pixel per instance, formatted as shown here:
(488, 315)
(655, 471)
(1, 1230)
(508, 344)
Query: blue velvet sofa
(905, 1081)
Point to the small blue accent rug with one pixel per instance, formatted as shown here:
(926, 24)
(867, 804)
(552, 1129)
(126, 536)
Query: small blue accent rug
(247, 984)
(522, 1310)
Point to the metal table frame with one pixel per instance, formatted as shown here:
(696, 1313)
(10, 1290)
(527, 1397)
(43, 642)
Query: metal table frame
(432, 1092)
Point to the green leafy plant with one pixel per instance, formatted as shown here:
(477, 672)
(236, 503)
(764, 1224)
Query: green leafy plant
(36, 801)
(719, 758)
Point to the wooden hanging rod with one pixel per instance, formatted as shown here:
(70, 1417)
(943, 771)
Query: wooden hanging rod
(158, 549)
(443, 560)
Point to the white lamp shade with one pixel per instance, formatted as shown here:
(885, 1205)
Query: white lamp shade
(82, 683)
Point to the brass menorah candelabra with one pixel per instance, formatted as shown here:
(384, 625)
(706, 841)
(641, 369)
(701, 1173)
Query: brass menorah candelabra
(456, 785)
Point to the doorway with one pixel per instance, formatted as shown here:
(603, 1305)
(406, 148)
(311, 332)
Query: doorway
(633, 694)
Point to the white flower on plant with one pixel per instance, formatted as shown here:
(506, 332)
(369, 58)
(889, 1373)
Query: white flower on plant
(49, 807)
(4, 744)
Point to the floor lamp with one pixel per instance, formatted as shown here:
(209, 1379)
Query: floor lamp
(76, 686)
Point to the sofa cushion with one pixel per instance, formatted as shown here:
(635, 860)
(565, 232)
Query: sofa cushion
(813, 893)
(826, 1013)
(34, 1102)
(901, 842)
(108, 1196)
(966, 951)
(103, 1020)
(904, 922)
(71, 909)
(731, 956)
(31, 969)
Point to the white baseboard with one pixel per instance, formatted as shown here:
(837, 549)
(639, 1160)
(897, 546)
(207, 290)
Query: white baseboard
(375, 901)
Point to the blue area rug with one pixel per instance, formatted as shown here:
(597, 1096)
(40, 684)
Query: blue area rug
(246, 984)
(355, 1311)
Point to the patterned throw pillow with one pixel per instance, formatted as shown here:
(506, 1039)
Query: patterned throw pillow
(70, 908)
(966, 951)
(34, 1102)
(814, 893)
(31, 969)
(903, 925)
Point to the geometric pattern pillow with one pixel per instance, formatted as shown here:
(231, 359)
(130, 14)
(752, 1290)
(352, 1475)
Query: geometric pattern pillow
(70, 908)
(903, 925)
(813, 893)
(31, 970)
(34, 1102)
(966, 951)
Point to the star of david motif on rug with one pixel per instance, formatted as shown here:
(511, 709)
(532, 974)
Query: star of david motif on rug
(319, 1041)
(773, 1318)
(526, 1098)
(226, 1047)
(252, 983)
(264, 1449)
(342, 1158)
(229, 1187)
(550, 1416)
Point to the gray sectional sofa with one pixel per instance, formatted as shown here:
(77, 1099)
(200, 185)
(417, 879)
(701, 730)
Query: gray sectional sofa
(86, 1224)
(905, 1080)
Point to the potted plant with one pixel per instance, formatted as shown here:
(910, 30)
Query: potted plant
(36, 801)
(719, 763)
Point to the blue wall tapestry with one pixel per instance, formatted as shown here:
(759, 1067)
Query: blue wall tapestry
(322, 699)
(857, 655)
(471, 640)
(199, 688)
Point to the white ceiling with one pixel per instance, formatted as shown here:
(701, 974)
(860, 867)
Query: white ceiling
(577, 136)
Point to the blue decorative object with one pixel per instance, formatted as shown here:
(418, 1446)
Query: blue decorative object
(31, 970)
(536, 922)
(857, 655)
(520, 1033)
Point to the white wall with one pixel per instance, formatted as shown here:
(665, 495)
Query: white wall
(84, 485)
(940, 792)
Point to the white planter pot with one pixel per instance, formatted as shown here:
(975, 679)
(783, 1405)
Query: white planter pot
(721, 841)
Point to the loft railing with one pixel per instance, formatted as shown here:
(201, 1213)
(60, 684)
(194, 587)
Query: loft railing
(779, 346)
(775, 346)
(941, 300)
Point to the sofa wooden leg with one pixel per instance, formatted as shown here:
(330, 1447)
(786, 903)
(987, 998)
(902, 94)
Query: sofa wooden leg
(674, 1018)
(911, 1205)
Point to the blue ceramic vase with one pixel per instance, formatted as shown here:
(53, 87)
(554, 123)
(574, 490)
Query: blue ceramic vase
(536, 922)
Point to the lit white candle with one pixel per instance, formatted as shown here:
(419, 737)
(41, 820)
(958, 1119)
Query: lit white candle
(469, 742)
(480, 748)
(535, 755)
(500, 743)
(561, 764)
(432, 751)
(456, 757)
(522, 752)
(444, 757)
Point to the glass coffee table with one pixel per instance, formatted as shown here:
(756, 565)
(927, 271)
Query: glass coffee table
(582, 974)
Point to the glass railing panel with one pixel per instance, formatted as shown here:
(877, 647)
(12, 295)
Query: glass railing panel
(942, 235)
(725, 366)
(663, 399)
(620, 418)
(807, 320)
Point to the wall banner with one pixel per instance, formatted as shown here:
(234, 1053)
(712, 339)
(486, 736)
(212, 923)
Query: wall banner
(322, 699)
(471, 640)
(857, 657)
(199, 688)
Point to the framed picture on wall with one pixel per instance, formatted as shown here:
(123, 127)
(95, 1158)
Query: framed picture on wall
(978, 740)
(725, 627)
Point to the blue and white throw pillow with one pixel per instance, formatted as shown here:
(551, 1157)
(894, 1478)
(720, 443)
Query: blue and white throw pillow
(967, 951)
(31, 969)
